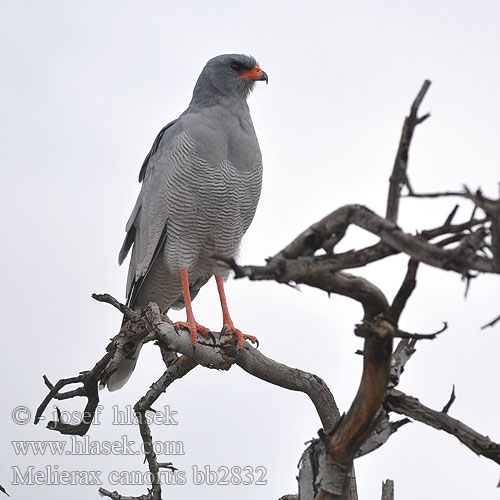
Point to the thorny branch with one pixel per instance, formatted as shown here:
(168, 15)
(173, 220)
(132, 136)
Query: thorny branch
(326, 467)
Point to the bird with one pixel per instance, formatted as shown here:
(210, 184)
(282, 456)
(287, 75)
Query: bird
(200, 186)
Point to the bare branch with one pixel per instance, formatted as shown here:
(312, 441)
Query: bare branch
(291, 270)
(404, 293)
(481, 445)
(286, 266)
(447, 228)
(175, 371)
(255, 363)
(221, 353)
(399, 175)
(489, 206)
(89, 389)
(108, 299)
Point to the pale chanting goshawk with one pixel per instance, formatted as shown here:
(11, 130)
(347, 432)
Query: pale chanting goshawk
(201, 184)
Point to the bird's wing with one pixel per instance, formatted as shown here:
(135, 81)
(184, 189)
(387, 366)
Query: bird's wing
(154, 149)
(146, 227)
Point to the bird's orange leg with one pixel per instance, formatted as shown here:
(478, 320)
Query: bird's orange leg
(190, 322)
(226, 318)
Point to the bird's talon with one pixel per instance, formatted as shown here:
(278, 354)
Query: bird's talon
(203, 330)
(227, 329)
(212, 336)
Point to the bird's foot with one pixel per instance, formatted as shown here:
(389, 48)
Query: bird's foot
(229, 328)
(194, 328)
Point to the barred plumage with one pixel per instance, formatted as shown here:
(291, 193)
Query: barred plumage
(208, 208)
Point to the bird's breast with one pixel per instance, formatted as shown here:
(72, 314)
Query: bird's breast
(221, 136)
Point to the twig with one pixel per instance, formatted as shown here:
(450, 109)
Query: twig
(443, 194)
(489, 206)
(447, 406)
(447, 228)
(399, 172)
(420, 336)
(89, 389)
(491, 323)
(450, 217)
(108, 299)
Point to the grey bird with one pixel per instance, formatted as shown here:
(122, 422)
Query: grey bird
(201, 184)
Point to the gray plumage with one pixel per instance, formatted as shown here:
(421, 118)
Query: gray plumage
(201, 183)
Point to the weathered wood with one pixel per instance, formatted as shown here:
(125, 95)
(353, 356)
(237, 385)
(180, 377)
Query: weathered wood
(399, 402)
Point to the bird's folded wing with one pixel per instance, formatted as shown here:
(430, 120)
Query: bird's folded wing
(146, 227)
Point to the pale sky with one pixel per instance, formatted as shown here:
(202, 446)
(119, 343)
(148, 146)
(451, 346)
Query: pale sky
(86, 86)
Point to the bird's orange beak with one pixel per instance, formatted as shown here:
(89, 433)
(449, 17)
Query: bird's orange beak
(255, 73)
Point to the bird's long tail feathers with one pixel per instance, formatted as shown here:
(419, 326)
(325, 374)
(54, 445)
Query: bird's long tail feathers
(124, 371)
(193, 292)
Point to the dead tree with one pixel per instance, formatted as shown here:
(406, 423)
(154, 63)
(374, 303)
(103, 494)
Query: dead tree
(469, 248)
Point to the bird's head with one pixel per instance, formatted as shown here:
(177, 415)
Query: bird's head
(229, 75)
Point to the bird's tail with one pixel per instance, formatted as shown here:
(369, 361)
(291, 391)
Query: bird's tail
(194, 288)
(120, 377)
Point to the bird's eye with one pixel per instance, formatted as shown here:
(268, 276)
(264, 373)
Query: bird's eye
(236, 66)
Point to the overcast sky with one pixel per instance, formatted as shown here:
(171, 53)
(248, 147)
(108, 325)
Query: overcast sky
(86, 86)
